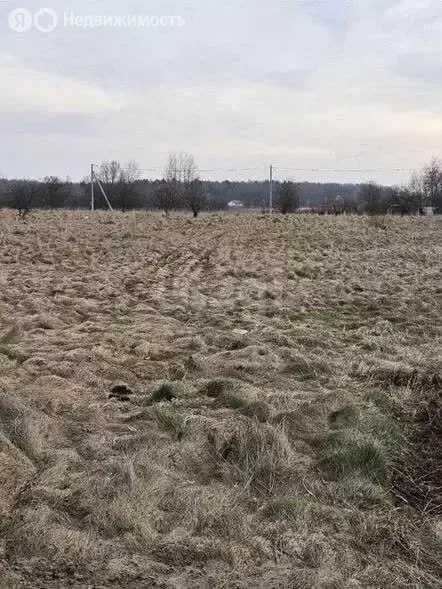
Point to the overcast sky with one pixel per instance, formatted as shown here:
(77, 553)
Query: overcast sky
(329, 84)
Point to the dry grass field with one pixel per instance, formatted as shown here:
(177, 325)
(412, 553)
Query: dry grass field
(226, 402)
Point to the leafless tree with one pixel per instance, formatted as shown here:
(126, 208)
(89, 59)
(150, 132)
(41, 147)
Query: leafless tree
(24, 194)
(194, 196)
(168, 195)
(172, 172)
(288, 197)
(52, 186)
(183, 184)
(127, 185)
(416, 188)
(425, 187)
(193, 191)
(165, 196)
(432, 183)
(109, 175)
(372, 198)
(119, 182)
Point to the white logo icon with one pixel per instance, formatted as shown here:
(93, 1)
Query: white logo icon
(45, 20)
(20, 20)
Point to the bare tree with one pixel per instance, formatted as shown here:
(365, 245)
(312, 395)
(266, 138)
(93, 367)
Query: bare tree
(24, 193)
(425, 187)
(404, 200)
(165, 196)
(52, 186)
(417, 189)
(193, 192)
(172, 173)
(195, 196)
(169, 192)
(119, 183)
(432, 183)
(373, 198)
(188, 167)
(127, 185)
(109, 175)
(181, 184)
(288, 197)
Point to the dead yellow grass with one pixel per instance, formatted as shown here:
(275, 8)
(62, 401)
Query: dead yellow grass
(270, 375)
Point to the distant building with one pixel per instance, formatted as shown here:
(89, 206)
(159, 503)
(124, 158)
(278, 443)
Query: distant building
(235, 204)
(420, 212)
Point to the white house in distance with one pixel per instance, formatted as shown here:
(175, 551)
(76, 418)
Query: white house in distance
(235, 204)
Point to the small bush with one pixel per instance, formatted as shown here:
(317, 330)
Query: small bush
(214, 388)
(166, 392)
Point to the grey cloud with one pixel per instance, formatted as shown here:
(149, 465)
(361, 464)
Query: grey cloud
(240, 84)
(47, 124)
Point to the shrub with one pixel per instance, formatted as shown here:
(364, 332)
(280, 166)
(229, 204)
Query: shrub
(166, 392)
(214, 388)
(257, 456)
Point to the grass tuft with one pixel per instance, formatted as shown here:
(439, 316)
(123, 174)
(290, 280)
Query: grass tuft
(259, 410)
(170, 420)
(256, 456)
(366, 446)
(215, 388)
(166, 392)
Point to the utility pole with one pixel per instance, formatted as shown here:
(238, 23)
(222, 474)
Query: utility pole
(92, 189)
(105, 195)
(271, 191)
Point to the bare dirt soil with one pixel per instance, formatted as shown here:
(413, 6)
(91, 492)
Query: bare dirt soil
(226, 402)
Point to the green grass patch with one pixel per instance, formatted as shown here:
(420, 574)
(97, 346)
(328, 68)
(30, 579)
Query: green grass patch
(363, 443)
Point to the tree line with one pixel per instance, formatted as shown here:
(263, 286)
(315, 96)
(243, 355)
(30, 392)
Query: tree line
(181, 188)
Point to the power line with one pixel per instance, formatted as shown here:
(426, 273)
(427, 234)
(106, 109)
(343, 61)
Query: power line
(349, 170)
(203, 170)
(233, 169)
(290, 169)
